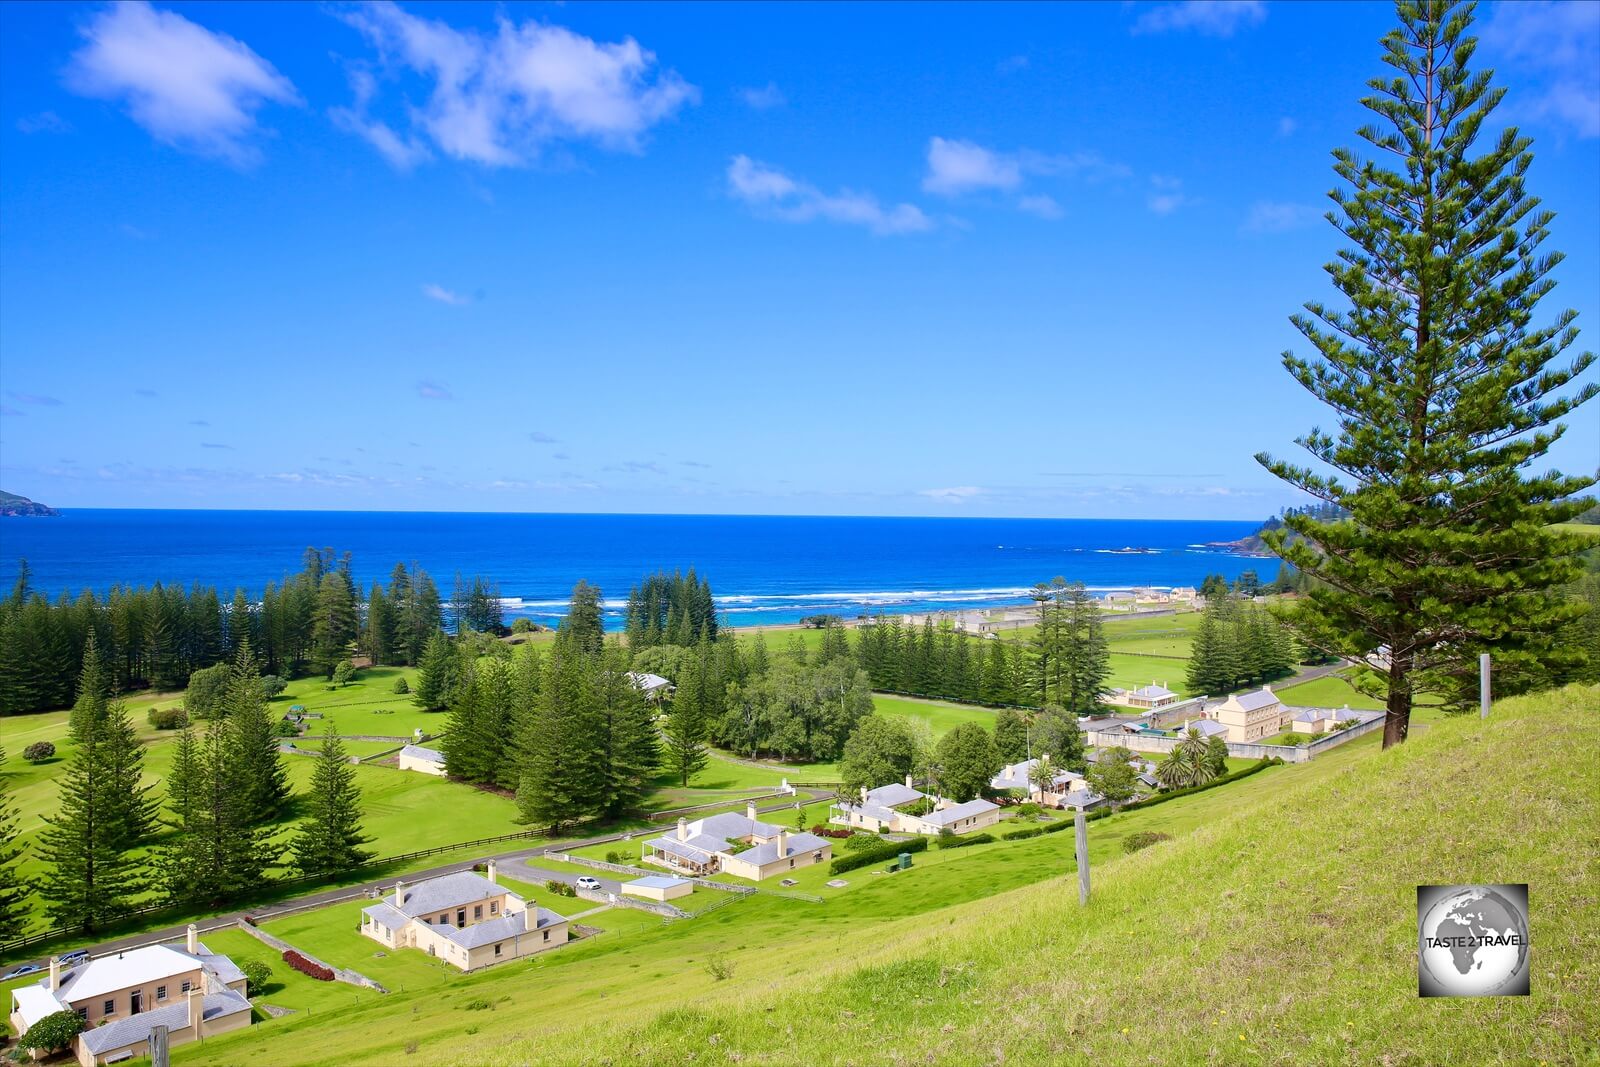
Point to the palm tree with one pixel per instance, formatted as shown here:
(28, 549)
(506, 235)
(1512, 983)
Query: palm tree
(1187, 765)
(1043, 775)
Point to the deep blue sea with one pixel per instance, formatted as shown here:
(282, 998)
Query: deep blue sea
(763, 569)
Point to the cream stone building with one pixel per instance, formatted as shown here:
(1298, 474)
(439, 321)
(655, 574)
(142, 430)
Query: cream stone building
(1154, 695)
(426, 760)
(740, 845)
(468, 920)
(891, 807)
(1252, 716)
(1020, 776)
(122, 998)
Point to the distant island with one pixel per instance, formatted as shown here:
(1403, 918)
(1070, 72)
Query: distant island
(12, 504)
(1256, 544)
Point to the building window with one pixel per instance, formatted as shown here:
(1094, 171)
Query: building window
(83, 1013)
(185, 987)
(494, 906)
(161, 992)
(444, 920)
(497, 949)
(547, 935)
(477, 911)
(109, 1008)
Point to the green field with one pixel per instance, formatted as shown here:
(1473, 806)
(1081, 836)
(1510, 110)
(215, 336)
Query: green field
(618, 976)
(1329, 692)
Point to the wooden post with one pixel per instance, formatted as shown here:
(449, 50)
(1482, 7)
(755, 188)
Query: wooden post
(1082, 827)
(159, 1056)
(1483, 686)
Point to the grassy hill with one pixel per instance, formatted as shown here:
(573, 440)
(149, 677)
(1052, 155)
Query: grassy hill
(1283, 934)
(1283, 910)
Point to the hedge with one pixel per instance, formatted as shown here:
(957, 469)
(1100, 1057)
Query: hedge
(307, 967)
(831, 831)
(963, 842)
(868, 856)
(1026, 831)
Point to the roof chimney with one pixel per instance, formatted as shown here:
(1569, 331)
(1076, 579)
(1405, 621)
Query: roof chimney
(55, 974)
(683, 828)
(783, 843)
(399, 894)
(191, 939)
(863, 794)
(910, 782)
(197, 1012)
(1044, 757)
(750, 810)
(492, 873)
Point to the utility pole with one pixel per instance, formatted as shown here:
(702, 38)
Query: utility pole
(1483, 685)
(1082, 827)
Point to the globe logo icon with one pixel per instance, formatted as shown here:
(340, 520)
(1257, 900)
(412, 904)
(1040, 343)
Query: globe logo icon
(1473, 940)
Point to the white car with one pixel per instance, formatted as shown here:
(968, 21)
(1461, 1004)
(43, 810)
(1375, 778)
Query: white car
(585, 882)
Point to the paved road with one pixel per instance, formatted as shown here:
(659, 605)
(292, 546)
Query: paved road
(525, 871)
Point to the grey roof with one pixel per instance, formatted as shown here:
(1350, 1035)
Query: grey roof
(1082, 798)
(872, 811)
(1149, 779)
(656, 881)
(136, 1028)
(446, 891)
(1314, 715)
(891, 795)
(418, 752)
(681, 849)
(1261, 698)
(1206, 727)
(486, 932)
(1017, 776)
(767, 851)
(386, 916)
(1153, 691)
(219, 965)
(956, 812)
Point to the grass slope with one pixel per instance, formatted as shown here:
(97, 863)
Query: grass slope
(1284, 934)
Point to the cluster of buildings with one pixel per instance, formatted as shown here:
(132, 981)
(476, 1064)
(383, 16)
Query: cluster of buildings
(466, 919)
(740, 845)
(904, 809)
(123, 998)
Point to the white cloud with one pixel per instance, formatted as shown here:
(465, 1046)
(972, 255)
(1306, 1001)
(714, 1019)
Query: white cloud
(1211, 18)
(765, 98)
(955, 494)
(1167, 195)
(1554, 45)
(443, 295)
(402, 151)
(499, 100)
(956, 167)
(1268, 216)
(775, 193)
(1043, 206)
(189, 87)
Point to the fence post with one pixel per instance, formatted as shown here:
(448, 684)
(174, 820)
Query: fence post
(1483, 685)
(1082, 828)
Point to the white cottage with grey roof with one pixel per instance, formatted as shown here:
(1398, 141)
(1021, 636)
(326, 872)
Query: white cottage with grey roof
(122, 997)
(897, 808)
(1020, 776)
(426, 760)
(740, 845)
(466, 919)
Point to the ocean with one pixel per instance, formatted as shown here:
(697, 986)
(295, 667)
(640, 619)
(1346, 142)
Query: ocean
(763, 569)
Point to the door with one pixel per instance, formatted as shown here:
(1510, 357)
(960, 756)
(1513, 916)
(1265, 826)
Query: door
(138, 1001)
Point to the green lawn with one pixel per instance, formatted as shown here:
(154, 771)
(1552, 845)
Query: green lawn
(940, 716)
(1329, 692)
(615, 981)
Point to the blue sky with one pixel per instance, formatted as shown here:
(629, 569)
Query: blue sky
(831, 259)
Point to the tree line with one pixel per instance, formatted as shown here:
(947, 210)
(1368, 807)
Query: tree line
(158, 636)
(1239, 643)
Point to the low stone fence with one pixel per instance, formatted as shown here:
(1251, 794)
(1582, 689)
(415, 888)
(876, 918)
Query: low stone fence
(637, 872)
(341, 974)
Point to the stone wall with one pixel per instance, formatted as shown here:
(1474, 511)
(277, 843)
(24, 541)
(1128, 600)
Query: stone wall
(341, 974)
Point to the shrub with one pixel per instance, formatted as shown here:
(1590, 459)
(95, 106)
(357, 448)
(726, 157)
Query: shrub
(1029, 810)
(285, 728)
(343, 673)
(256, 976)
(832, 831)
(861, 841)
(1144, 839)
(719, 967)
(1027, 831)
(561, 889)
(613, 857)
(885, 850)
(53, 1032)
(522, 626)
(479, 1005)
(963, 842)
(272, 685)
(309, 968)
(168, 718)
(38, 752)
(401, 686)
